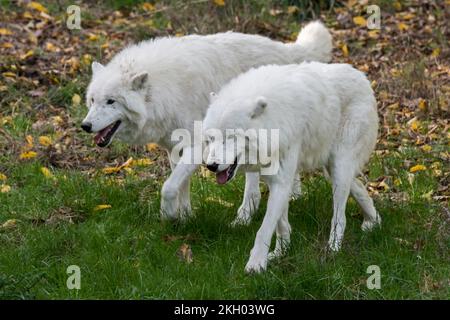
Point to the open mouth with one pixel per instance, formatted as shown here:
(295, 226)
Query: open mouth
(104, 136)
(226, 175)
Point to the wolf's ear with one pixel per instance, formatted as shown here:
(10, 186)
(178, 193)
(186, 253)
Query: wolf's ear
(139, 80)
(212, 96)
(96, 67)
(261, 104)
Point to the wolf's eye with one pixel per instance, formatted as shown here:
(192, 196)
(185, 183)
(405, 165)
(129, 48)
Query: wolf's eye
(110, 101)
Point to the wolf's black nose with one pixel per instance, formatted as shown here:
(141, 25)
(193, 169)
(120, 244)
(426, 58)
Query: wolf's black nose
(213, 166)
(87, 126)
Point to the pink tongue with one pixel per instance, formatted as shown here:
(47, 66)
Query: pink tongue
(99, 136)
(222, 177)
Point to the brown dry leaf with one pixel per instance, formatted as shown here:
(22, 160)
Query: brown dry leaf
(184, 253)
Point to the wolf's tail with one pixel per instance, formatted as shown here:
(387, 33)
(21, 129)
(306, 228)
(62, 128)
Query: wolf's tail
(316, 42)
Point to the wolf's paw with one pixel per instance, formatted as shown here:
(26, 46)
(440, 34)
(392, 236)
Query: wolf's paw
(368, 225)
(241, 221)
(256, 265)
(334, 246)
(274, 255)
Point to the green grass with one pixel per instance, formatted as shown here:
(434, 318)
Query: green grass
(123, 252)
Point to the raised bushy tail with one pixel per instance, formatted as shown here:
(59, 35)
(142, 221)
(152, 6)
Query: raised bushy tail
(316, 42)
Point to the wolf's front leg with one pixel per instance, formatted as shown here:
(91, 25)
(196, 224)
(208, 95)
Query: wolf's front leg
(175, 195)
(277, 205)
(280, 187)
(252, 197)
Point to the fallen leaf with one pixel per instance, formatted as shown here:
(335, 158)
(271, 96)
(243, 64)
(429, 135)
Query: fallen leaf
(436, 52)
(37, 6)
(5, 32)
(151, 147)
(219, 3)
(76, 99)
(418, 167)
(102, 207)
(9, 224)
(45, 141)
(185, 253)
(4, 188)
(402, 26)
(27, 155)
(344, 49)
(28, 54)
(109, 170)
(422, 105)
(360, 21)
(46, 172)
(142, 162)
(3, 177)
(426, 148)
(148, 6)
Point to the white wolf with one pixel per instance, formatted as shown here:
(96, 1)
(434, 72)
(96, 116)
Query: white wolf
(327, 118)
(150, 89)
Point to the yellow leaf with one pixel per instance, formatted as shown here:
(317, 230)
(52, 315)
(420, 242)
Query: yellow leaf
(45, 141)
(360, 21)
(397, 182)
(418, 167)
(51, 47)
(402, 26)
(426, 148)
(422, 104)
(220, 201)
(7, 45)
(11, 223)
(27, 15)
(28, 54)
(87, 59)
(345, 50)
(142, 162)
(9, 74)
(151, 147)
(57, 120)
(4, 188)
(46, 172)
(5, 32)
(148, 6)
(93, 37)
(3, 177)
(292, 9)
(76, 99)
(436, 52)
(28, 155)
(397, 5)
(102, 207)
(414, 124)
(37, 6)
(219, 3)
(30, 141)
(393, 106)
(427, 195)
(109, 170)
(408, 16)
(374, 34)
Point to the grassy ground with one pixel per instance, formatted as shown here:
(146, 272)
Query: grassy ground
(49, 205)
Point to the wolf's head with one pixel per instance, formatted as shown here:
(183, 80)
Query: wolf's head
(117, 104)
(231, 136)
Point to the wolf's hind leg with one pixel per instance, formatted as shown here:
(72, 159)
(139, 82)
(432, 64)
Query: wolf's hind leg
(283, 237)
(371, 217)
(342, 175)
